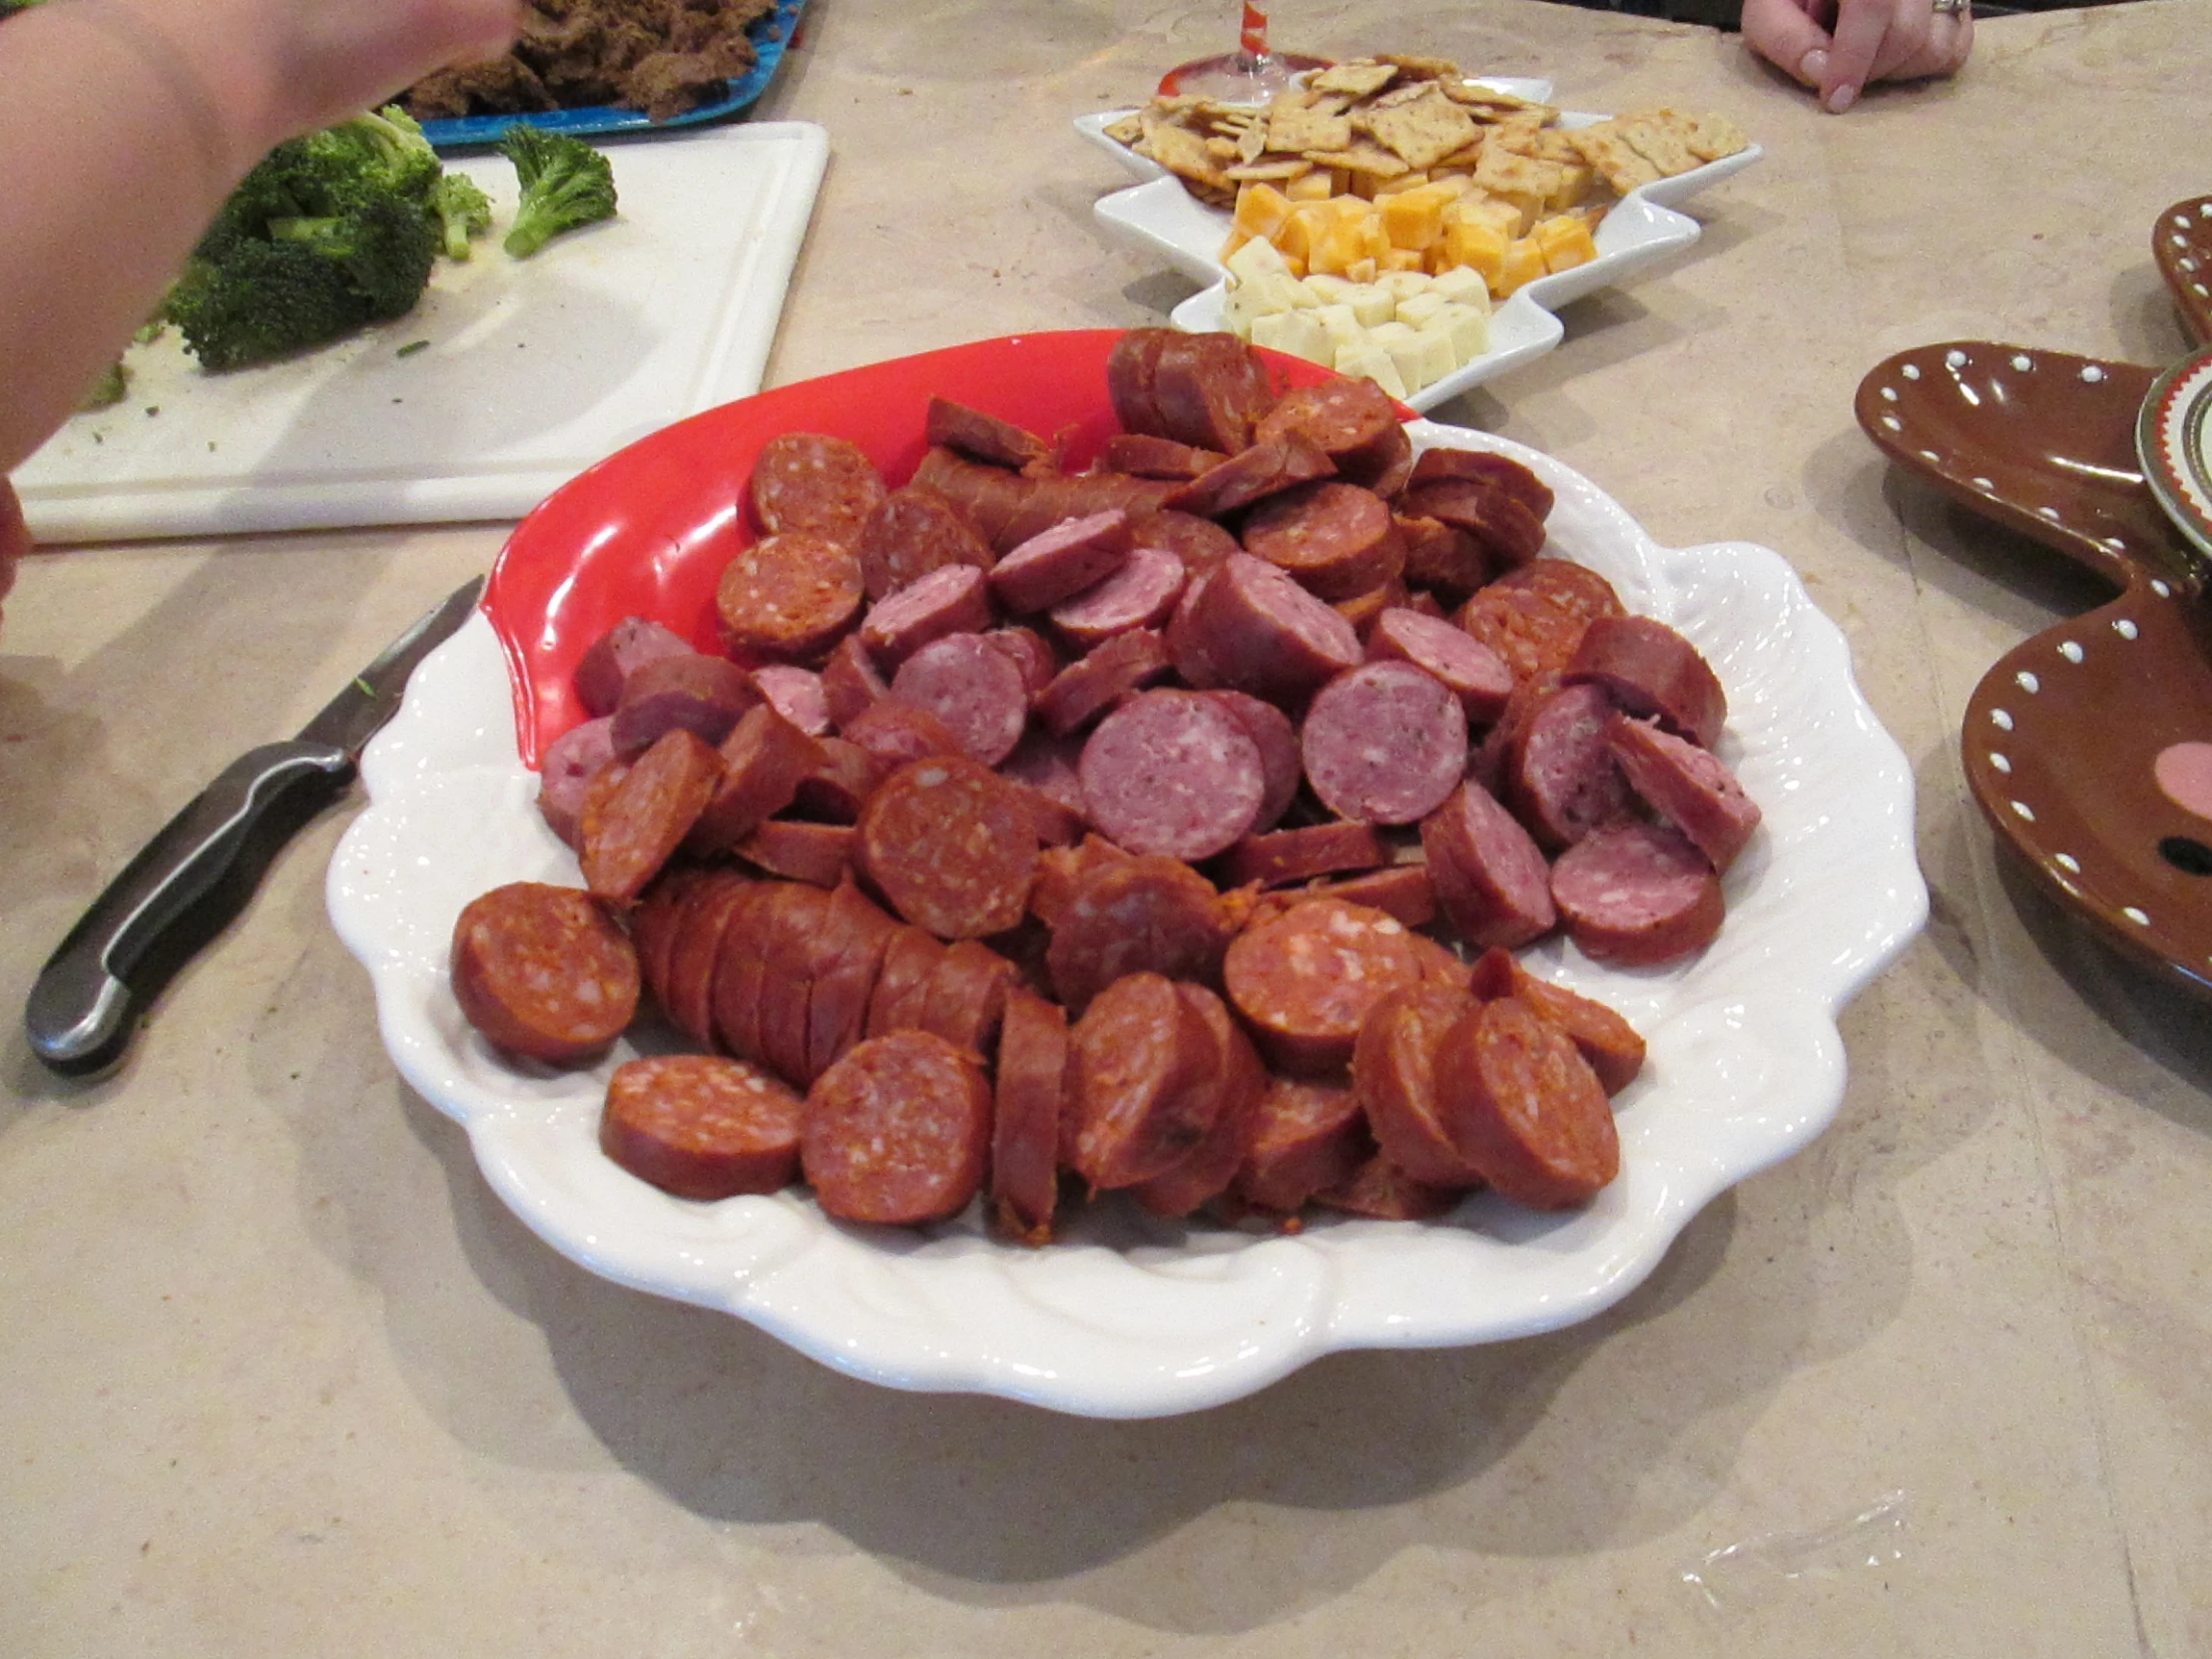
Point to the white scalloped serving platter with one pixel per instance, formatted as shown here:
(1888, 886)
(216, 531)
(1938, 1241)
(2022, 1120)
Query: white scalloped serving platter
(1129, 1317)
(1643, 228)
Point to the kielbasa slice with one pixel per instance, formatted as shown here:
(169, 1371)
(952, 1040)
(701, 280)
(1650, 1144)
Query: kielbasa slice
(974, 688)
(1305, 980)
(1283, 767)
(795, 693)
(1490, 874)
(1092, 684)
(610, 660)
(1561, 778)
(1144, 456)
(1209, 390)
(1172, 771)
(1141, 594)
(1637, 894)
(1250, 475)
(1650, 670)
(982, 436)
(703, 695)
(851, 684)
(565, 769)
(952, 845)
(1260, 632)
(893, 734)
(1690, 786)
(1483, 467)
(702, 1126)
(952, 599)
(1059, 563)
(1468, 669)
(764, 762)
(1384, 743)
(897, 1132)
(543, 972)
(1528, 1110)
(1147, 1082)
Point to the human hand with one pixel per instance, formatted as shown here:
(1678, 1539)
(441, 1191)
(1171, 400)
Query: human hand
(15, 537)
(1840, 47)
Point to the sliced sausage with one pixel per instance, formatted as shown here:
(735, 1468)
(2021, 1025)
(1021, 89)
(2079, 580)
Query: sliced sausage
(648, 814)
(1637, 894)
(1130, 368)
(1285, 855)
(1210, 390)
(1307, 1137)
(835, 790)
(1124, 915)
(1092, 684)
(1205, 1171)
(740, 976)
(686, 989)
(788, 597)
(1364, 610)
(764, 762)
(702, 1126)
(913, 532)
(1352, 421)
(1483, 466)
(1490, 874)
(1532, 631)
(564, 771)
(1393, 1072)
(1611, 1045)
(1199, 542)
(973, 687)
(653, 924)
(966, 995)
(991, 496)
(1508, 532)
(1305, 980)
(893, 734)
(610, 660)
(1283, 767)
(954, 599)
(851, 684)
(1062, 870)
(1260, 632)
(1382, 1191)
(796, 695)
(1528, 1110)
(817, 854)
(1142, 593)
(1384, 743)
(897, 1131)
(1059, 563)
(1576, 586)
(1338, 540)
(982, 436)
(1690, 786)
(1146, 1084)
(542, 972)
(1029, 652)
(1026, 1128)
(952, 845)
(703, 695)
(1144, 456)
(857, 934)
(808, 481)
(902, 983)
(1561, 778)
(1250, 475)
(1470, 670)
(1172, 771)
(1403, 890)
(1442, 557)
(1650, 670)
(793, 941)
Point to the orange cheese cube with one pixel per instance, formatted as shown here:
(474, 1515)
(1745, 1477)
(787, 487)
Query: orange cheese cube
(1565, 242)
(1261, 210)
(1524, 263)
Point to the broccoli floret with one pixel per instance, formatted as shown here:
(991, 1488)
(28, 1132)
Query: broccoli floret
(565, 182)
(464, 210)
(109, 389)
(330, 232)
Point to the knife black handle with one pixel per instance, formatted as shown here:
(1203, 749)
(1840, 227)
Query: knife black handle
(172, 898)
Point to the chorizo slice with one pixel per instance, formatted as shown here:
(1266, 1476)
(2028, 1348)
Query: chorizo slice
(1352, 421)
(810, 482)
(1637, 894)
(1305, 980)
(794, 946)
(740, 976)
(1172, 771)
(817, 854)
(1468, 669)
(952, 845)
(1576, 586)
(1130, 368)
(984, 438)
(1337, 539)
(1562, 780)
(858, 934)
(647, 814)
(702, 1126)
(1529, 1111)
(1142, 593)
(913, 531)
(788, 597)
(1614, 1048)
(897, 1132)
(1060, 562)
(1123, 915)
(1365, 610)
(1490, 875)
(1382, 1191)
(1147, 1076)
(1442, 557)
(1209, 390)
(1509, 533)
(954, 599)
(1393, 1072)
(1690, 786)
(565, 771)
(1030, 1099)
(705, 694)
(1483, 467)
(1533, 632)
(1650, 670)
(1142, 455)
(694, 951)
(542, 972)
(1204, 1173)
(1285, 855)
(835, 790)
(974, 688)
(1260, 632)
(1095, 683)
(909, 958)
(609, 661)
(1061, 872)
(1250, 475)
(966, 995)
(1384, 743)
(653, 924)
(764, 762)
(1307, 1137)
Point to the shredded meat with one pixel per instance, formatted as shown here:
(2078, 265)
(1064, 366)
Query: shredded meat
(664, 57)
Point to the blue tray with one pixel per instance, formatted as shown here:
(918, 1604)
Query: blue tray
(768, 34)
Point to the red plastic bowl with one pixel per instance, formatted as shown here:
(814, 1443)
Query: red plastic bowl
(648, 530)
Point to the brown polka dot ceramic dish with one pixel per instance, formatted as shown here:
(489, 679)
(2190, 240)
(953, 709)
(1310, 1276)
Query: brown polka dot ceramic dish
(2088, 746)
(2181, 243)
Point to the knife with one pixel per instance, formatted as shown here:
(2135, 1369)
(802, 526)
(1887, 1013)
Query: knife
(197, 873)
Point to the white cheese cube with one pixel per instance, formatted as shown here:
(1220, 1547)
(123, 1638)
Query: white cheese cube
(1257, 258)
(1370, 303)
(1419, 307)
(1296, 333)
(1402, 285)
(1425, 359)
(1370, 362)
(1462, 282)
(1341, 325)
(1327, 288)
(1467, 327)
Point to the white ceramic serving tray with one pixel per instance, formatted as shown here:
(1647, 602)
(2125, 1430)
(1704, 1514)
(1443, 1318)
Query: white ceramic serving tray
(533, 369)
(1127, 1315)
(1643, 228)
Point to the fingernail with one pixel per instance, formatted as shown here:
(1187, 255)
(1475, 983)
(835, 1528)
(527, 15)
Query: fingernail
(1842, 99)
(1814, 66)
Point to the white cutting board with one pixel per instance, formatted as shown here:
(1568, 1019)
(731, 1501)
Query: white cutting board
(535, 368)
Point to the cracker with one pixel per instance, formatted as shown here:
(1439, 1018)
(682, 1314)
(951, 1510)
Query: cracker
(1357, 79)
(1419, 69)
(1370, 159)
(1183, 151)
(1128, 130)
(1713, 136)
(1659, 142)
(1301, 132)
(1506, 173)
(1424, 130)
(1281, 167)
(1615, 159)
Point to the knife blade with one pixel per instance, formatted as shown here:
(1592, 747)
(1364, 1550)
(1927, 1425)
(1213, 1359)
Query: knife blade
(191, 879)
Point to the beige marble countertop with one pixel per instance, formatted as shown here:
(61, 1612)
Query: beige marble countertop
(282, 1377)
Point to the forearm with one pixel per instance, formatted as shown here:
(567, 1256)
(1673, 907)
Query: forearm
(120, 143)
